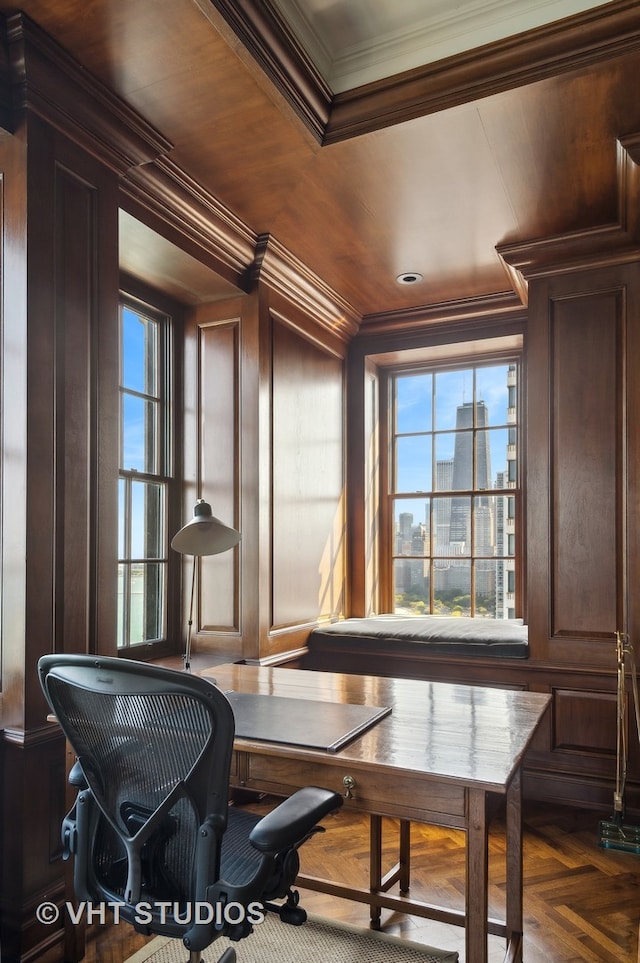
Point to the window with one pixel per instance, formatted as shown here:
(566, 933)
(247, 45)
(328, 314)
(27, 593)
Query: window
(453, 497)
(144, 477)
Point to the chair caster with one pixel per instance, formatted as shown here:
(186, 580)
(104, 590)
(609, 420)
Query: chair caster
(290, 912)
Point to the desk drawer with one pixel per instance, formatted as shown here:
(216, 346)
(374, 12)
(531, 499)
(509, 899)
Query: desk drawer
(385, 793)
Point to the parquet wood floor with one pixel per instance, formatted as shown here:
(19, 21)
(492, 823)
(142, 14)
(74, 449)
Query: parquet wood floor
(581, 903)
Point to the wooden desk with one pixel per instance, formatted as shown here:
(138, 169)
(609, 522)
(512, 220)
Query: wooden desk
(435, 759)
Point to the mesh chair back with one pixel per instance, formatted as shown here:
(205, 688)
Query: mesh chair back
(155, 749)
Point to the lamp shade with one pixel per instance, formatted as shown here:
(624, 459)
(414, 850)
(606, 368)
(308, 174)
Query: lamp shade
(204, 534)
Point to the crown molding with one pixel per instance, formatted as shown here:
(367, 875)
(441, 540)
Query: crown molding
(547, 51)
(205, 227)
(48, 82)
(594, 247)
(540, 53)
(271, 44)
(489, 309)
(7, 120)
(282, 272)
(186, 214)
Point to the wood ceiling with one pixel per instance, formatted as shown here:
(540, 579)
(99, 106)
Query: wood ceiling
(427, 171)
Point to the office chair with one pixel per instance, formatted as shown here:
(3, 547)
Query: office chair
(151, 830)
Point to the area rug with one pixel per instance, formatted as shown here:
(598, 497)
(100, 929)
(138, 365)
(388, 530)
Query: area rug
(317, 941)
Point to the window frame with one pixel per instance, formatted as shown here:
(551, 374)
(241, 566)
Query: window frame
(156, 307)
(388, 496)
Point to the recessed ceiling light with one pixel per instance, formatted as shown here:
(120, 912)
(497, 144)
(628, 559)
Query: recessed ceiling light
(409, 277)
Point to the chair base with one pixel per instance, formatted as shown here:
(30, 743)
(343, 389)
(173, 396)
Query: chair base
(229, 956)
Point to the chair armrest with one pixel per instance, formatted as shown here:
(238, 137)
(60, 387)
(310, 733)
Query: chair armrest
(293, 820)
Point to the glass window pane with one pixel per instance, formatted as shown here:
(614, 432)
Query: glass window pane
(139, 434)
(413, 403)
(411, 586)
(491, 458)
(454, 389)
(412, 527)
(139, 352)
(413, 463)
(444, 449)
(452, 588)
(153, 593)
(441, 526)
(122, 591)
(485, 509)
(136, 604)
(462, 476)
(485, 588)
(493, 391)
(460, 526)
(141, 603)
(147, 518)
(122, 545)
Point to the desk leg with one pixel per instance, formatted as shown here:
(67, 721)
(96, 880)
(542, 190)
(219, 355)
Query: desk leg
(514, 859)
(477, 880)
(375, 866)
(399, 874)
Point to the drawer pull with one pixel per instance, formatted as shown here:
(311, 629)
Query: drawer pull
(349, 783)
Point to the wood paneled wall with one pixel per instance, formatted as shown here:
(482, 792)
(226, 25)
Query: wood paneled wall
(264, 443)
(60, 191)
(59, 459)
(308, 513)
(581, 399)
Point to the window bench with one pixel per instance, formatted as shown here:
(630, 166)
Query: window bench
(429, 634)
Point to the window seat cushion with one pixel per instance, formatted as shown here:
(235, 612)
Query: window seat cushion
(461, 636)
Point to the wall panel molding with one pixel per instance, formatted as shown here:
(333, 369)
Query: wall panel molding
(587, 356)
(583, 463)
(218, 475)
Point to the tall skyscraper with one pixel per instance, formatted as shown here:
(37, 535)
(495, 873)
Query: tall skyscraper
(460, 530)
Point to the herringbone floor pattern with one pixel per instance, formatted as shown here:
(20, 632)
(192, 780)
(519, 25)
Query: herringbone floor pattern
(581, 903)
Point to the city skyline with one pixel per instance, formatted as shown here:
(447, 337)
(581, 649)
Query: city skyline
(463, 543)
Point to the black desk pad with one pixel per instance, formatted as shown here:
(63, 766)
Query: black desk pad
(301, 722)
